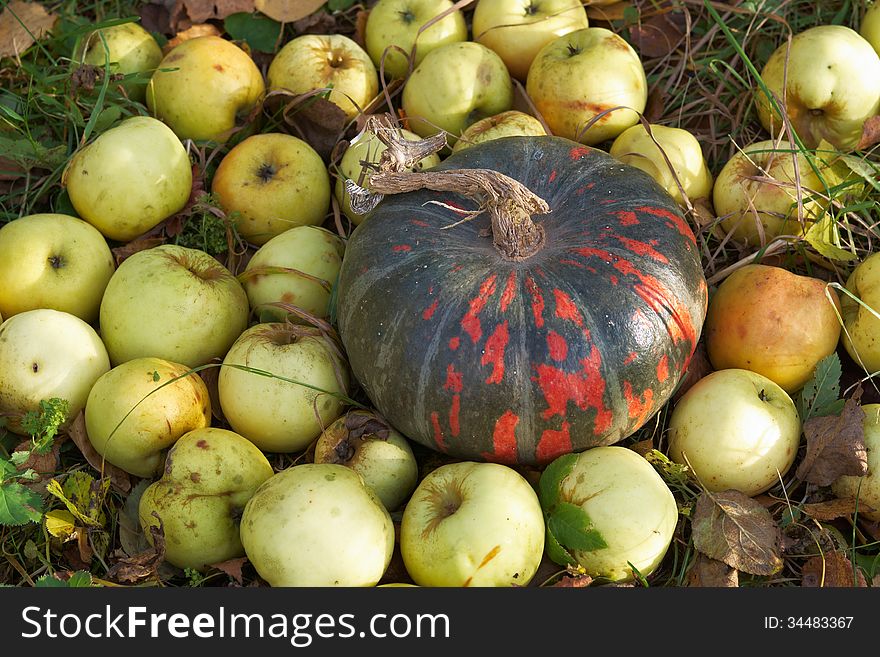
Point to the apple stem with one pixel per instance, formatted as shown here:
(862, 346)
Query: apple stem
(509, 203)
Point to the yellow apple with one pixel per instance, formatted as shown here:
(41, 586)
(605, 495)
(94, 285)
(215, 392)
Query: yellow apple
(870, 28)
(867, 487)
(53, 261)
(47, 353)
(326, 61)
(210, 474)
(506, 124)
(395, 25)
(830, 79)
(578, 76)
(129, 49)
(203, 86)
(861, 326)
(129, 178)
(274, 182)
(634, 146)
(456, 85)
(317, 524)
(737, 430)
(518, 29)
(356, 162)
(774, 322)
(298, 268)
(755, 194)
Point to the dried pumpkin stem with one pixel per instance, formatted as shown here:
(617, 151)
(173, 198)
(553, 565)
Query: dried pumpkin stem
(509, 203)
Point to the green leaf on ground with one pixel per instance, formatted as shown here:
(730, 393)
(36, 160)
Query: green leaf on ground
(820, 395)
(19, 505)
(259, 32)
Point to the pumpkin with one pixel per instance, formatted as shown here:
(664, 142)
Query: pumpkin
(568, 330)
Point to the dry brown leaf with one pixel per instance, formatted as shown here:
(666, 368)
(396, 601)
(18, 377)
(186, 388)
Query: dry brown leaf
(573, 581)
(833, 509)
(319, 22)
(40, 463)
(287, 11)
(231, 567)
(655, 106)
(643, 446)
(711, 573)
(185, 13)
(318, 121)
(193, 32)
(119, 478)
(604, 11)
(870, 133)
(143, 565)
(658, 36)
(835, 445)
(731, 527)
(831, 570)
(155, 18)
(120, 253)
(20, 22)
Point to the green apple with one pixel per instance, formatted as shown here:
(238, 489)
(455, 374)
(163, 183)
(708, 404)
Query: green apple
(140, 408)
(357, 163)
(47, 353)
(518, 29)
(736, 429)
(326, 61)
(829, 76)
(317, 524)
(774, 322)
(866, 489)
(860, 307)
(395, 26)
(454, 86)
(511, 123)
(581, 77)
(304, 392)
(129, 49)
(172, 302)
(299, 268)
(870, 28)
(53, 261)
(203, 86)
(634, 146)
(209, 476)
(756, 193)
(472, 524)
(129, 178)
(607, 508)
(272, 182)
(364, 442)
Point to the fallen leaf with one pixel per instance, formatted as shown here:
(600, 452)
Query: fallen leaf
(576, 581)
(870, 133)
(643, 447)
(120, 253)
(319, 22)
(655, 107)
(143, 565)
(155, 17)
(839, 508)
(658, 36)
(319, 122)
(607, 12)
(131, 534)
(831, 570)
(20, 22)
(708, 573)
(119, 479)
(731, 527)
(835, 445)
(193, 32)
(186, 13)
(287, 11)
(40, 463)
(231, 567)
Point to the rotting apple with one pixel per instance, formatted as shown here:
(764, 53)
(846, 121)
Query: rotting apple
(860, 307)
(865, 488)
(774, 322)
(130, 178)
(317, 524)
(209, 475)
(128, 49)
(736, 429)
(271, 182)
(472, 524)
(53, 261)
(137, 410)
(511, 123)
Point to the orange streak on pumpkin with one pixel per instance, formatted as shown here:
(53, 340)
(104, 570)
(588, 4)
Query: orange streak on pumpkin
(643, 249)
(509, 293)
(504, 439)
(631, 356)
(454, 383)
(537, 301)
(429, 311)
(438, 432)
(677, 221)
(639, 405)
(454, 380)
(419, 222)
(557, 346)
(585, 388)
(494, 352)
(453, 343)
(401, 247)
(552, 176)
(553, 443)
(578, 152)
(454, 427)
(663, 369)
(627, 218)
(470, 323)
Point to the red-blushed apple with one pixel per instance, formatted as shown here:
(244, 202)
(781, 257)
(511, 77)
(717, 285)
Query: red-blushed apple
(511, 123)
(860, 307)
(456, 85)
(829, 78)
(271, 182)
(128, 49)
(53, 261)
(172, 302)
(577, 80)
(47, 353)
(394, 27)
(363, 441)
(203, 87)
(866, 488)
(297, 268)
(518, 29)
(774, 322)
(472, 524)
(209, 476)
(333, 62)
(317, 524)
(139, 409)
(129, 178)
(301, 386)
(735, 429)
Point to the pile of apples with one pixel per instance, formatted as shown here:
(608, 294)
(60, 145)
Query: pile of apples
(124, 344)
